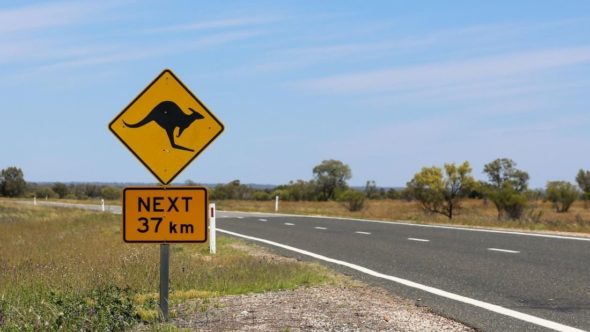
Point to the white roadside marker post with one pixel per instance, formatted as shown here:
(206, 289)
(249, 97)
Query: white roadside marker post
(102, 204)
(212, 239)
(277, 203)
(34, 200)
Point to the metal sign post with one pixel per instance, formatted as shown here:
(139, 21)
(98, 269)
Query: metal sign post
(164, 273)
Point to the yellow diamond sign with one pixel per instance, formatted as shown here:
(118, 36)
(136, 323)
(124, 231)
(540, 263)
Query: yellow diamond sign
(166, 127)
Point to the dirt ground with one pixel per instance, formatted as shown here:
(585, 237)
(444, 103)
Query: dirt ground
(347, 305)
(322, 308)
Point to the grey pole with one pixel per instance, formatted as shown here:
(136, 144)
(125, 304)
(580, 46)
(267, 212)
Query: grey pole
(164, 270)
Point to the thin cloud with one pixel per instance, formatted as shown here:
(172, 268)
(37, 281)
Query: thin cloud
(476, 35)
(48, 15)
(141, 52)
(216, 24)
(442, 74)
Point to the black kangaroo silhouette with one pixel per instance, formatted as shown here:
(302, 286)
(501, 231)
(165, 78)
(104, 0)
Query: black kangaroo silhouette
(169, 116)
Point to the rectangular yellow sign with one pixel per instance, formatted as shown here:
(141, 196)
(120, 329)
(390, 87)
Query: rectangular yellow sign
(165, 214)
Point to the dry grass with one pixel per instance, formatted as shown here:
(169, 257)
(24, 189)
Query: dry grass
(538, 215)
(51, 256)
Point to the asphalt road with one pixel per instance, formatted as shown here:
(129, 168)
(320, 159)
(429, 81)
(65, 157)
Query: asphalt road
(493, 281)
(545, 277)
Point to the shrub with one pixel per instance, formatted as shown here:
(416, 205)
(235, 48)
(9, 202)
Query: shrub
(393, 194)
(506, 188)
(353, 200)
(261, 196)
(509, 202)
(42, 192)
(61, 189)
(105, 308)
(299, 190)
(562, 194)
(110, 193)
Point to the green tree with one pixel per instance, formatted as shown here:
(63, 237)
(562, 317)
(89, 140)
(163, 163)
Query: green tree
(371, 190)
(583, 180)
(60, 189)
(503, 171)
(330, 177)
(506, 187)
(261, 195)
(392, 194)
(108, 192)
(232, 190)
(44, 191)
(354, 200)
(440, 193)
(562, 194)
(299, 190)
(12, 182)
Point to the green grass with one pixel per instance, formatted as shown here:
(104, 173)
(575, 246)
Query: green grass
(63, 267)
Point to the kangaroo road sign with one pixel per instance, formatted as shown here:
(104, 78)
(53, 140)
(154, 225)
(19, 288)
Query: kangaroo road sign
(166, 127)
(165, 214)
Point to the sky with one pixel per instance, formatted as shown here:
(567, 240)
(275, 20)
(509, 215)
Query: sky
(387, 87)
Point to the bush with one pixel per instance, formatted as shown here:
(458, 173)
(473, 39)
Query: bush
(299, 190)
(61, 189)
(261, 196)
(232, 190)
(42, 192)
(110, 193)
(353, 200)
(509, 202)
(507, 187)
(106, 308)
(562, 194)
(393, 194)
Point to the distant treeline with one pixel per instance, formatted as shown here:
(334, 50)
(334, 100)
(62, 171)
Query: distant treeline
(437, 189)
(74, 191)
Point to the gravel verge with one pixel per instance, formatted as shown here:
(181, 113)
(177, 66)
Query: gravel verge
(350, 307)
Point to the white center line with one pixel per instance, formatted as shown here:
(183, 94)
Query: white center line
(240, 217)
(323, 228)
(289, 224)
(262, 219)
(504, 250)
(419, 240)
(366, 233)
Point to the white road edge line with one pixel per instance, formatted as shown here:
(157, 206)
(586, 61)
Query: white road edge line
(240, 217)
(322, 228)
(365, 233)
(419, 240)
(401, 222)
(262, 219)
(289, 224)
(504, 250)
(484, 305)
